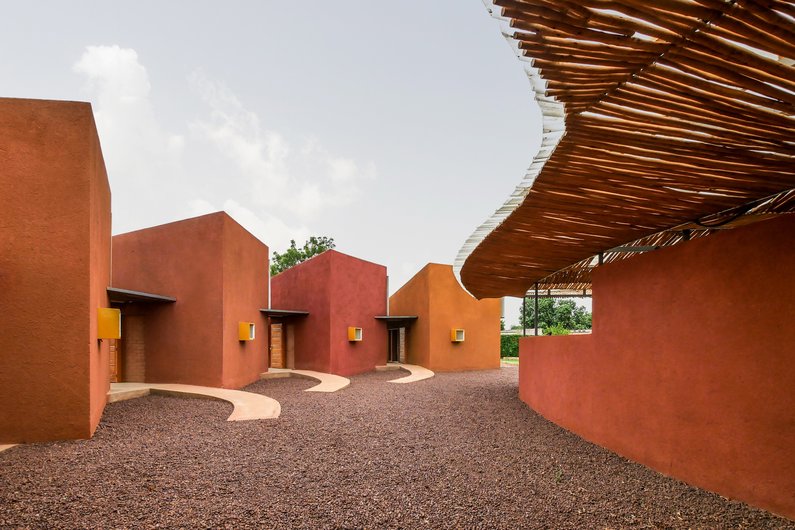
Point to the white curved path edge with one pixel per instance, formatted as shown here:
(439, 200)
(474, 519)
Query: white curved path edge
(248, 406)
(418, 373)
(327, 382)
(3, 447)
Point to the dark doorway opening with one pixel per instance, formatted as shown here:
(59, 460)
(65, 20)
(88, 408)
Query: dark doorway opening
(394, 345)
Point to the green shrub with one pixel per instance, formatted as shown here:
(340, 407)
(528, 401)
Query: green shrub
(556, 330)
(509, 346)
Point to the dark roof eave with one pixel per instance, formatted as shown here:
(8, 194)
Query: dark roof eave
(128, 296)
(283, 313)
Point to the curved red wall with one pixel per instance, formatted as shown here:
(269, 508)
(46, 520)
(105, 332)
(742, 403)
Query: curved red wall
(691, 365)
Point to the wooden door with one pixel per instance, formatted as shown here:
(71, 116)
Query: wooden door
(115, 361)
(290, 345)
(132, 356)
(277, 346)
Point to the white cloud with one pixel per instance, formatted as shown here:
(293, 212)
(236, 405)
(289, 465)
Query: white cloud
(114, 72)
(301, 182)
(119, 88)
(342, 169)
(269, 229)
(199, 207)
(265, 183)
(144, 162)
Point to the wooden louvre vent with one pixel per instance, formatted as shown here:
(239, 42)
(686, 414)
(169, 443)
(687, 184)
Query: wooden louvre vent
(664, 120)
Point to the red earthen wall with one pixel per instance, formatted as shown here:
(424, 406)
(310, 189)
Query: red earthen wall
(183, 340)
(358, 294)
(54, 269)
(305, 287)
(691, 365)
(99, 275)
(217, 271)
(338, 291)
(245, 293)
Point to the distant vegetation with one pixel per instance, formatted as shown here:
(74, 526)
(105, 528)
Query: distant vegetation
(294, 255)
(556, 316)
(509, 346)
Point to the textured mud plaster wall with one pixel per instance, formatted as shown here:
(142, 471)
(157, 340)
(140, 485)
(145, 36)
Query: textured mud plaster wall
(245, 293)
(440, 304)
(358, 293)
(338, 291)
(413, 299)
(305, 287)
(452, 307)
(184, 344)
(218, 272)
(691, 365)
(54, 268)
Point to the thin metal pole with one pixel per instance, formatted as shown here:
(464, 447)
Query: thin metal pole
(535, 301)
(524, 315)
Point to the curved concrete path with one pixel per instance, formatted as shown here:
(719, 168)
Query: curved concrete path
(248, 406)
(3, 447)
(327, 382)
(418, 373)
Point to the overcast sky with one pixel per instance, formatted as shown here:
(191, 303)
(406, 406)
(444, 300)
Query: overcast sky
(394, 127)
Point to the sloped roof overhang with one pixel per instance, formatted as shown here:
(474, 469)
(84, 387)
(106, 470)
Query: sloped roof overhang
(127, 296)
(284, 313)
(663, 121)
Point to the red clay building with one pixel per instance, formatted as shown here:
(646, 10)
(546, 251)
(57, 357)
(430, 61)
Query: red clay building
(334, 295)
(453, 331)
(217, 272)
(54, 268)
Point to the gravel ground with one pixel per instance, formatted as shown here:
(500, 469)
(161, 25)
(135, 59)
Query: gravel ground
(455, 451)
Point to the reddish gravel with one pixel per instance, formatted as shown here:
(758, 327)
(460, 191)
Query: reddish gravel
(455, 451)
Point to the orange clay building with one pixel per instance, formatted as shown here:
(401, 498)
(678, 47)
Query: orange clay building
(323, 315)
(453, 331)
(667, 187)
(204, 325)
(55, 237)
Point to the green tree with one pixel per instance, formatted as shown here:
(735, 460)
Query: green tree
(556, 313)
(293, 256)
(509, 345)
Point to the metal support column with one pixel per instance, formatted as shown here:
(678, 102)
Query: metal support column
(535, 319)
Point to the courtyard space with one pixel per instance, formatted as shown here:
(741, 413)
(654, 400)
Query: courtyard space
(454, 451)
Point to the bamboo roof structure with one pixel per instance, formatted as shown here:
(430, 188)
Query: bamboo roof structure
(664, 120)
